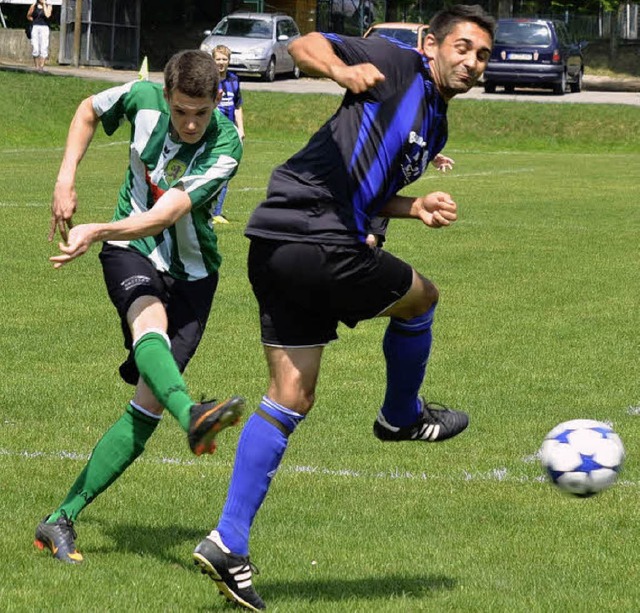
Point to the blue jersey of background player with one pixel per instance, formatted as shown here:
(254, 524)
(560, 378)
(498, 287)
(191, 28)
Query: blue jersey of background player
(231, 107)
(310, 265)
(377, 142)
(231, 96)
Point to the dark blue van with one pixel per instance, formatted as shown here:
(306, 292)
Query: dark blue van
(534, 53)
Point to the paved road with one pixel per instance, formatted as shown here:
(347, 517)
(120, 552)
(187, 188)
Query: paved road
(594, 86)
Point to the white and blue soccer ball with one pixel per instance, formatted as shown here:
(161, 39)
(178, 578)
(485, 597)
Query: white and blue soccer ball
(582, 456)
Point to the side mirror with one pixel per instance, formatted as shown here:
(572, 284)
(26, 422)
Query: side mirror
(206, 33)
(282, 38)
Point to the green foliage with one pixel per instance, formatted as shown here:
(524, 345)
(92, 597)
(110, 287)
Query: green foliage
(537, 323)
(589, 7)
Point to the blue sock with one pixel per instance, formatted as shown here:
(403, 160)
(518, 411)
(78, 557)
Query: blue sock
(221, 196)
(406, 347)
(262, 444)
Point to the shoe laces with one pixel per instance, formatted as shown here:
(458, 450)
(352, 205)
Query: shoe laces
(247, 563)
(434, 410)
(67, 526)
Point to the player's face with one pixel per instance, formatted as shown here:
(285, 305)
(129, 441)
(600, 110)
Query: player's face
(222, 62)
(459, 61)
(189, 116)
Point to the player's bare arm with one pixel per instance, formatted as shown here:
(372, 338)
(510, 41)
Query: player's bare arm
(170, 207)
(435, 210)
(315, 56)
(64, 201)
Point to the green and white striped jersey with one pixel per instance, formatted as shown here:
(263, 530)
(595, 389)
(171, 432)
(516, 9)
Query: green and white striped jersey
(187, 250)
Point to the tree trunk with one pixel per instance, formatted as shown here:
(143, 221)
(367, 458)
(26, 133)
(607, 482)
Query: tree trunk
(505, 8)
(613, 39)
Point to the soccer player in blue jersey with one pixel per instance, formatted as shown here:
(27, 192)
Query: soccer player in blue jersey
(230, 105)
(310, 266)
(159, 258)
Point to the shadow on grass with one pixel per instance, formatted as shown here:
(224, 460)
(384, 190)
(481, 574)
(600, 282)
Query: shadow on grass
(154, 541)
(161, 541)
(363, 588)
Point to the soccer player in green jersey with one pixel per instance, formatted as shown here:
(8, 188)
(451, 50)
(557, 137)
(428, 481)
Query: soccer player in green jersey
(159, 258)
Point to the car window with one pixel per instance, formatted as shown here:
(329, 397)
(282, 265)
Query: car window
(245, 28)
(522, 33)
(409, 37)
(289, 28)
(282, 28)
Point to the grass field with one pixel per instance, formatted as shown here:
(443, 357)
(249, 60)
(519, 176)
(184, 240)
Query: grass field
(538, 323)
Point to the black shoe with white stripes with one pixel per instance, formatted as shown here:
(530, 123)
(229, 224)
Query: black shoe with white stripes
(232, 573)
(438, 423)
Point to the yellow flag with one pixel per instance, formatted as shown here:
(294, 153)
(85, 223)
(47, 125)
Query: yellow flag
(143, 75)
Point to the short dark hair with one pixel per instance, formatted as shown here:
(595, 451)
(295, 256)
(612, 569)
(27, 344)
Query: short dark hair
(444, 21)
(192, 72)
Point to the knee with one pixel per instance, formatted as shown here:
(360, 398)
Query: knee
(431, 294)
(425, 299)
(297, 399)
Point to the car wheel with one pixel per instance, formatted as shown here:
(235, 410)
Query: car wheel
(296, 71)
(489, 88)
(560, 88)
(270, 73)
(576, 87)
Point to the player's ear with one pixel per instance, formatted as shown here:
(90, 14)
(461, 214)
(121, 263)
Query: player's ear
(429, 46)
(166, 95)
(216, 100)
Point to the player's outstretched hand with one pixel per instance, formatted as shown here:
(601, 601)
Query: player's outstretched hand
(443, 163)
(436, 209)
(63, 205)
(79, 240)
(357, 78)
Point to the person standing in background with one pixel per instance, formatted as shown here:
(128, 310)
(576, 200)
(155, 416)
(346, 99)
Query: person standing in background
(39, 14)
(231, 106)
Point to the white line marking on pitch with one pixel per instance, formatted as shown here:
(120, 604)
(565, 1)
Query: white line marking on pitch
(500, 474)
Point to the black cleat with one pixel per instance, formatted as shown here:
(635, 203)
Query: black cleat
(232, 573)
(209, 418)
(438, 423)
(59, 538)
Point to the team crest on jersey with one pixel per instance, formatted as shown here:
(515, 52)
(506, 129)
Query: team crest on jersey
(174, 170)
(416, 158)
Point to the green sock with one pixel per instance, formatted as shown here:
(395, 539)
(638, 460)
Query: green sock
(160, 372)
(114, 452)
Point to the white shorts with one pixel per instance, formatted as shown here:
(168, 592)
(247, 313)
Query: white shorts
(40, 41)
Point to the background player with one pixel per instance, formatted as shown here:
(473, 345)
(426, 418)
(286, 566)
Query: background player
(231, 106)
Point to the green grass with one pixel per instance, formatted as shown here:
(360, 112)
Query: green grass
(538, 323)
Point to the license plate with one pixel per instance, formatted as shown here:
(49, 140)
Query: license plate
(520, 56)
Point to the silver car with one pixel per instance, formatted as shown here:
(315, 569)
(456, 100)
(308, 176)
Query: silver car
(258, 43)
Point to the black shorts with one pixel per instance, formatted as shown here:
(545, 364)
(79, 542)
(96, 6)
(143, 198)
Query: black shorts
(130, 275)
(305, 289)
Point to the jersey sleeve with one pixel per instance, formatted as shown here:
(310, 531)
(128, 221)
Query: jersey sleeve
(238, 95)
(111, 106)
(396, 62)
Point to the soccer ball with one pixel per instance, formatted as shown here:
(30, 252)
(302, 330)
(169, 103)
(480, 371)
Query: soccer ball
(582, 456)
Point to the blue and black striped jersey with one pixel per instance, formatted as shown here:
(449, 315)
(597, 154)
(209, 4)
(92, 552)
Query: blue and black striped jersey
(376, 143)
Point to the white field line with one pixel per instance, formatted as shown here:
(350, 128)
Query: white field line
(11, 204)
(60, 148)
(498, 475)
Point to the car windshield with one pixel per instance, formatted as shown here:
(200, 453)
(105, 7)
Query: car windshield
(409, 37)
(244, 28)
(523, 33)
